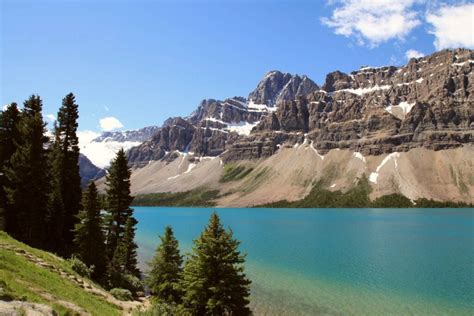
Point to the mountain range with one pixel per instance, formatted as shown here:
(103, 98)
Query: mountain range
(407, 129)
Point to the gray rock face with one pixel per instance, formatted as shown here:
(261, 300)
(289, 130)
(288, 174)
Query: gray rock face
(276, 87)
(427, 103)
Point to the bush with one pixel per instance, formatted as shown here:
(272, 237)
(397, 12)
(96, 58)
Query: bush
(80, 267)
(132, 283)
(121, 294)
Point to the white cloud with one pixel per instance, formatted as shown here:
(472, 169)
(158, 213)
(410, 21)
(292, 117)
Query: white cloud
(110, 123)
(411, 53)
(4, 108)
(51, 117)
(373, 22)
(453, 26)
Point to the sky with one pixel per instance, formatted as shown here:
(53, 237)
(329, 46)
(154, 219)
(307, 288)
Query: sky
(135, 63)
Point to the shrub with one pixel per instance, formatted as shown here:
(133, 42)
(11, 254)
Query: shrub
(132, 283)
(80, 267)
(121, 294)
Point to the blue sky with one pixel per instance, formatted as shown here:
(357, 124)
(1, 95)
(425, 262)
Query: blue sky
(144, 61)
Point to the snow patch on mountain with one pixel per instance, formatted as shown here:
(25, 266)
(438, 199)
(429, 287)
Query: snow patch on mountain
(101, 152)
(374, 175)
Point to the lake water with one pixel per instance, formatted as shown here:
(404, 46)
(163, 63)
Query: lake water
(340, 262)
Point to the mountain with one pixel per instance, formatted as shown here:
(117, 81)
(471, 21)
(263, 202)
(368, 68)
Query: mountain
(215, 125)
(88, 171)
(100, 149)
(289, 134)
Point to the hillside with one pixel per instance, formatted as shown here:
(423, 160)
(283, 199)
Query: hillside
(34, 280)
(408, 129)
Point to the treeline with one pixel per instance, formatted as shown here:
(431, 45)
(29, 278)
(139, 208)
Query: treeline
(42, 204)
(358, 197)
(197, 197)
(211, 282)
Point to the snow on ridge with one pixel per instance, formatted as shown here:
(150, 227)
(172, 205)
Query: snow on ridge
(374, 175)
(316, 151)
(361, 91)
(242, 127)
(470, 61)
(404, 106)
(359, 155)
(260, 107)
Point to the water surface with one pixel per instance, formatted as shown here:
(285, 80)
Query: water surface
(340, 261)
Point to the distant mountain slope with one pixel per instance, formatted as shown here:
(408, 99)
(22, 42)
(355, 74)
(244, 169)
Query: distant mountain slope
(100, 149)
(382, 118)
(88, 171)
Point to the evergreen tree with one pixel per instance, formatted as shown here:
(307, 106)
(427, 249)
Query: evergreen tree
(9, 138)
(55, 217)
(214, 281)
(28, 186)
(89, 237)
(166, 269)
(124, 261)
(66, 197)
(118, 201)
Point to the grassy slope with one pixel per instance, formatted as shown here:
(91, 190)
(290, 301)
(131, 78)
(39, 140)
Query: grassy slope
(25, 280)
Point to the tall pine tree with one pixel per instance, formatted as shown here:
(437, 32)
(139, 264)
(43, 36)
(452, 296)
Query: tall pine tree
(214, 281)
(66, 198)
(165, 270)
(89, 237)
(120, 224)
(28, 186)
(9, 139)
(118, 201)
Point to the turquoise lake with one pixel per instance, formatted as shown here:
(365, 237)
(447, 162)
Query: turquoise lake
(340, 261)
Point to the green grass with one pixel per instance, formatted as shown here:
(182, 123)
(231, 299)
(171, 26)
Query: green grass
(24, 280)
(198, 197)
(234, 172)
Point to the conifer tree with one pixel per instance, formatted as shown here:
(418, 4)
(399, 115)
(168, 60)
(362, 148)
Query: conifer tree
(89, 237)
(118, 201)
(214, 281)
(124, 261)
(28, 186)
(55, 217)
(67, 181)
(165, 270)
(9, 138)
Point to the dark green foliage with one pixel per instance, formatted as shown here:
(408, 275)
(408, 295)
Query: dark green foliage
(234, 173)
(120, 224)
(56, 213)
(9, 138)
(118, 201)
(121, 294)
(197, 197)
(356, 197)
(89, 238)
(80, 267)
(66, 178)
(214, 281)
(392, 200)
(165, 270)
(429, 203)
(28, 186)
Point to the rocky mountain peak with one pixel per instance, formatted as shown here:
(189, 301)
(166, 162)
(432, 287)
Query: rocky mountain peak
(277, 86)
